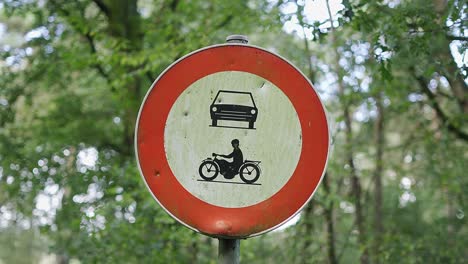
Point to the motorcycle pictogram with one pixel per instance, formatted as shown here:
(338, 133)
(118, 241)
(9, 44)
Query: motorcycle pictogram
(210, 168)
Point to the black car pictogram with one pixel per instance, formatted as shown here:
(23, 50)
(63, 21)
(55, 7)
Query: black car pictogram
(233, 106)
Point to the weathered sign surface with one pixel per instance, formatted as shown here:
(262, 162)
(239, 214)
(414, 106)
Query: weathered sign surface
(232, 140)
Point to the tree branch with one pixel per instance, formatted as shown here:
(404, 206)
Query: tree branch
(439, 112)
(150, 77)
(96, 65)
(87, 36)
(225, 22)
(461, 38)
(103, 7)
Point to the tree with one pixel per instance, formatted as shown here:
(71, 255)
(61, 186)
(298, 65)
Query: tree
(73, 74)
(72, 91)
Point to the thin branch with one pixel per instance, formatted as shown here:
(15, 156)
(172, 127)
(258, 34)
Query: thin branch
(439, 112)
(346, 241)
(225, 22)
(444, 94)
(300, 16)
(150, 77)
(354, 225)
(461, 38)
(173, 5)
(87, 35)
(103, 7)
(329, 212)
(96, 65)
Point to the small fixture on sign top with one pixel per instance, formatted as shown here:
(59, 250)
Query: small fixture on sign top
(237, 39)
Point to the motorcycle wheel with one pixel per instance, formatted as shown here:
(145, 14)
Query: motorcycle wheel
(208, 170)
(249, 173)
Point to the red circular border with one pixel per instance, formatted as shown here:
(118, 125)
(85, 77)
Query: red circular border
(190, 210)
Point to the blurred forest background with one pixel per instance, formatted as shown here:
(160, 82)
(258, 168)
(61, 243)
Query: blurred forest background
(392, 74)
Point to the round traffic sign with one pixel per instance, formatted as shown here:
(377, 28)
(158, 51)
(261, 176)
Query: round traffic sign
(232, 140)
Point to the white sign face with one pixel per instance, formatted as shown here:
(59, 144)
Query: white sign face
(214, 112)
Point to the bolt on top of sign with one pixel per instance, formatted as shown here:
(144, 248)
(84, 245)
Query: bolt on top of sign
(232, 140)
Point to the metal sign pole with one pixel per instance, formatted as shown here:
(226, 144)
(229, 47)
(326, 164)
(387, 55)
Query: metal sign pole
(228, 251)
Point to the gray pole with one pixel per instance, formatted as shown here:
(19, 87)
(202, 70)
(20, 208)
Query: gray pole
(228, 251)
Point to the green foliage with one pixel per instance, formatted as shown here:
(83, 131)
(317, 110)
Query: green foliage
(72, 76)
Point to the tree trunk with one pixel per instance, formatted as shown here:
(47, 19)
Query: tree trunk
(125, 25)
(355, 182)
(356, 189)
(449, 67)
(454, 77)
(307, 214)
(378, 197)
(300, 16)
(331, 250)
(307, 231)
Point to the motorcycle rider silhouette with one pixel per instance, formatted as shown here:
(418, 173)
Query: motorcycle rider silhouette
(230, 169)
(248, 170)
